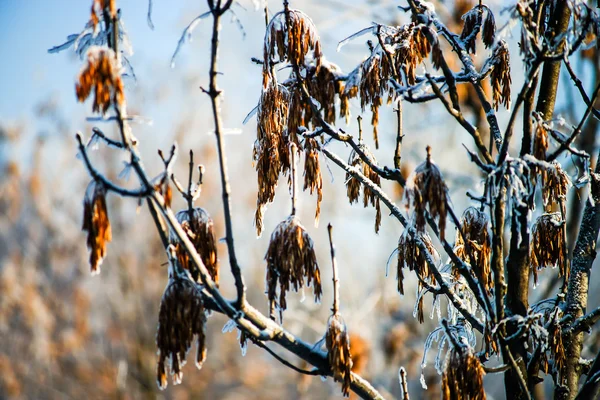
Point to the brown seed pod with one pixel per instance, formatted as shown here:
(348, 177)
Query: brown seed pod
(181, 319)
(477, 250)
(290, 260)
(271, 148)
(412, 257)
(298, 44)
(199, 227)
(555, 345)
(555, 183)
(360, 351)
(463, 376)
(472, 19)
(312, 173)
(101, 75)
(500, 76)
(425, 188)
(96, 223)
(489, 29)
(547, 244)
(337, 341)
(353, 185)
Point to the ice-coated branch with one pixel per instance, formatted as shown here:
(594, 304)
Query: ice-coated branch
(395, 211)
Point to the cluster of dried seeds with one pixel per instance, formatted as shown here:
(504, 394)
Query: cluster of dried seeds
(353, 185)
(291, 261)
(96, 223)
(337, 341)
(473, 245)
(411, 256)
(98, 7)
(500, 76)
(181, 319)
(463, 376)
(313, 179)
(547, 244)
(198, 226)
(291, 43)
(473, 21)
(102, 76)
(426, 189)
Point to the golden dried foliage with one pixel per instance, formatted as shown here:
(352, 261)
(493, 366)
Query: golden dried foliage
(556, 347)
(475, 247)
(181, 319)
(313, 179)
(547, 244)
(96, 223)
(291, 260)
(339, 353)
(102, 76)
(199, 228)
(98, 7)
(271, 154)
(353, 185)
(411, 256)
(500, 76)
(426, 189)
(290, 43)
(463, 376)
(555, 183)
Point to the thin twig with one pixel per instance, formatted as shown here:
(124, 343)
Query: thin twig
(336, 281)
(214, 93)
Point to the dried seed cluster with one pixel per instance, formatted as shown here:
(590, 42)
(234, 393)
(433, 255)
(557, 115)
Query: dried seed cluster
(98, 6)
(411, 256)
(473, 245)
(473, 21)
(463, 376)
(290, 260)
(426, 189)
(96, 223)
(337, 341)
(500, 76)
(313, 179)
(353, 185)
(291, 43)
(547, 244)
(199, 227)
(271, 149)
(101, 75)
(555, 183)
(406, 47)
(181, 319)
